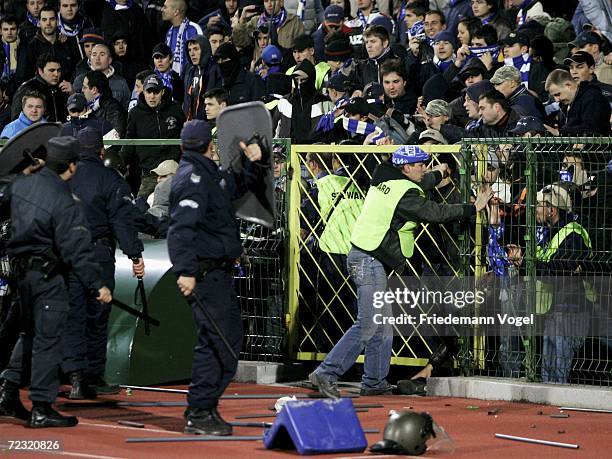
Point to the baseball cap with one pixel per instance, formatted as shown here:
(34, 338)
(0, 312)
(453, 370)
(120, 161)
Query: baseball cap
(64, 148)
(162, 50)
(76, 102)
(271, 55)
(528, 124)
(556, 196)
(506, 73)
(409, 154)
(334, 14)
(153, 82)
(339, 82)
(357, 106)
(90, 140)
(196, 134)
(437, 107)
(432, 134)
(472, 68)
(585, 38)
(478, 89)
(166, 167)
(92, 35)
(514, 38)
(580, 57)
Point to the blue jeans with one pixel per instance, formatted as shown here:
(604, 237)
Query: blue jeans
(369, 277)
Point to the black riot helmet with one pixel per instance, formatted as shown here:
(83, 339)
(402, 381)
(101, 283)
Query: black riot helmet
(406, 432)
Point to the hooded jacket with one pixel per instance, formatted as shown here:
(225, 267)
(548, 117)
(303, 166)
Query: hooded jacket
(162, 122)
(200, 79)
(241, 86)
(298, 114)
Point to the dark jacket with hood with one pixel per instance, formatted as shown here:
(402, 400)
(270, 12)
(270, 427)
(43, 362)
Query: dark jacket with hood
(589, 113)
(112, 111)
(298, 114)
(199, 79)
(241, 85)
(162, 122)
(55, 99)
(412, 207)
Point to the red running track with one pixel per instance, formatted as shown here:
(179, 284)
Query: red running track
(99, 436)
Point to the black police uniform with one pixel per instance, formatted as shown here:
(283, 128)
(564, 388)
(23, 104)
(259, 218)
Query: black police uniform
(106, 199)
(48, 232)
(204, 242)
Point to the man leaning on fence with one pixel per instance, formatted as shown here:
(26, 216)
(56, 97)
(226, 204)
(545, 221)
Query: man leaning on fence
(382, 240)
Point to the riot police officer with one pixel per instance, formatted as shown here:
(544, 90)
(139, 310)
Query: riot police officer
(48, 234)
(204, 242)
(106, 200)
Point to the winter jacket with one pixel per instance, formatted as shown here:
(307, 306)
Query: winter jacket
(89, 119)
(163, 122)
(368, 70)
(461, 9)
(200, 79)
(291, 28)
(55, 99)
(15, 127)
(112, 111)
(589, 113)
(119, 88)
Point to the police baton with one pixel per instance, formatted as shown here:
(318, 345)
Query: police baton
(214, 324)
(135, 312)
(145, 305)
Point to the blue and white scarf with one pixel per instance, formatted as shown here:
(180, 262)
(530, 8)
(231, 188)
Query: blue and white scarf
(94, 104)
(166, 78)
(326, 122)
(70, 30)
(363, 128)
(402, 12)
(277, 21)
(10, 64)
(32, 19)
(523, 9)
(443, 65)
(523, 64)
(478, 51)
(175, 39)
(417, 30)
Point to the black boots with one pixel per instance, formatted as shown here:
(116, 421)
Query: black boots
(80, 389)
(202, 421)
(10, 404)
(43, 415)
